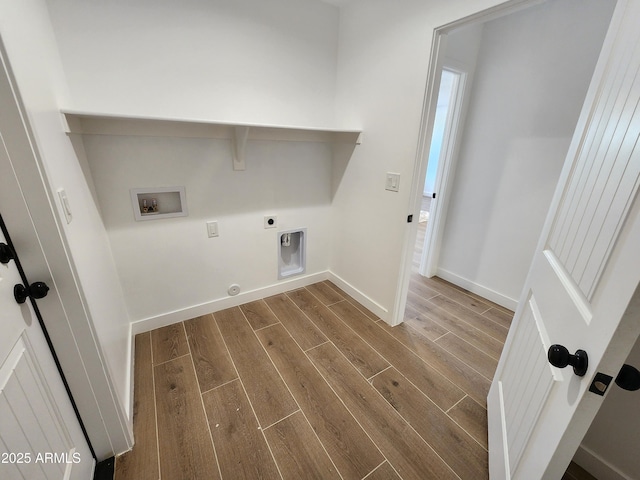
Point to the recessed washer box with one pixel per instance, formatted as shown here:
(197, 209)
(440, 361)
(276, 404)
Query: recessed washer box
(292, 252)
(158, 202)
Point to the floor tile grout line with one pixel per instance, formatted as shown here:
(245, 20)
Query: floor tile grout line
(289, 390)
(398, 344)
(171, 359)
(282, 419)
(260, 427)
(370, 379)
(239, 379)
(329, 385)
(376, 392)
(204, 409)
(376, 468)
(155, 403)
(356, 304)
(434, 318)
(461, 427)
(468, 323)
(453, 354)
(218, 386)
(349, 328)
(315, 346)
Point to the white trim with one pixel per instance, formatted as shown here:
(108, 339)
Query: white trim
(485, 292)
(596, 465)
(164, 319)
(360, 297)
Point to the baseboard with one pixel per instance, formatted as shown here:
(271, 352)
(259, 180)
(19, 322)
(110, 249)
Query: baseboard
(478, 289)
(169, 318)
(360, 297)
(596, 465)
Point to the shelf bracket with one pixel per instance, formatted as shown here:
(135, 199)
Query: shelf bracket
(240, 136)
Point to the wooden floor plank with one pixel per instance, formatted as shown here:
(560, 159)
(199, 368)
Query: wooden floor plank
(463, 297)
(468, 333)
(445, 363)
(456, 447)
(353, 301)
(299, 326)
(426, 377)
(258, 314)
(427, 327)
(410, 456)
(324, 293)
(298, 452)
(240, 446)
(476, 320)
(383, 472)
(419, 287)
(361, 355)
(470, 355)
(472, 417)
(141, 463)
(267, 392)
(168, 342)
(186, 450)
(352, 451)
(209, 353)
(499, 316)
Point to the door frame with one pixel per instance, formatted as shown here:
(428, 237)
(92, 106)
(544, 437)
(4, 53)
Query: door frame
(70, 326)
(437, 218)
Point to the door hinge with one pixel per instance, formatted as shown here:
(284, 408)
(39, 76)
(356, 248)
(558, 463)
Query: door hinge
(433, 195)
(410, 219)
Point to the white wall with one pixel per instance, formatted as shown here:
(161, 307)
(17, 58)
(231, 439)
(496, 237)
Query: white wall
(170, 265)
(233, 60)
(382, 72)
(533, 70)
(99, 321)
(609, 449)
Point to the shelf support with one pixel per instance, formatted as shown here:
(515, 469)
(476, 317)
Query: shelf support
(240, 136)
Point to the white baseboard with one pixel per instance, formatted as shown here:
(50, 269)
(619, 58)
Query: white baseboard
(596, 465)
(181, 315)
(360, 297)
(478, 289)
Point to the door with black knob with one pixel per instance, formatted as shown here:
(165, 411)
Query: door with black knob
(40, 435)
(574, 317)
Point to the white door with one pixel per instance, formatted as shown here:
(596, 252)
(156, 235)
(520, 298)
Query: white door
(581, 288)
(40, 437)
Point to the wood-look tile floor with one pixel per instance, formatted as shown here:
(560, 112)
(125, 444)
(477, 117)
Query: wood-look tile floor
(311, 385)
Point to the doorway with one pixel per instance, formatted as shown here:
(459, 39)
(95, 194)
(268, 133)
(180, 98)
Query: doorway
(440, 158)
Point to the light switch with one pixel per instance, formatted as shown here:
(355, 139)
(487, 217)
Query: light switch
(393, 182)
(212, 229)
(64, 201)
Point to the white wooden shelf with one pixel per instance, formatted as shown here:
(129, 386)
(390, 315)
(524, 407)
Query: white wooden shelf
(239, 133)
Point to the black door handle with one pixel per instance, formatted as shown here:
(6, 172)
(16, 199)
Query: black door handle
(6, 253)
(35, 290)
(628, 378)
(560, 357)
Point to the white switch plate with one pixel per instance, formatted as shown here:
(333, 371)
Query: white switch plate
(212, 229)
(393, 182)
(66, 208)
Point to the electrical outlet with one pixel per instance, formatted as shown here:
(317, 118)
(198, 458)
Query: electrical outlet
(212, 229)
(270, 221)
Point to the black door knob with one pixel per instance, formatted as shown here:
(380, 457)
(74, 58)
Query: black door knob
(560, 357)
(35, 290)
(628, 378)
(6, 253)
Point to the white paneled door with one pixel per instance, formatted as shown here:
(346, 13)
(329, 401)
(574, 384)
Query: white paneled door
(581, 288)
(40, 437)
